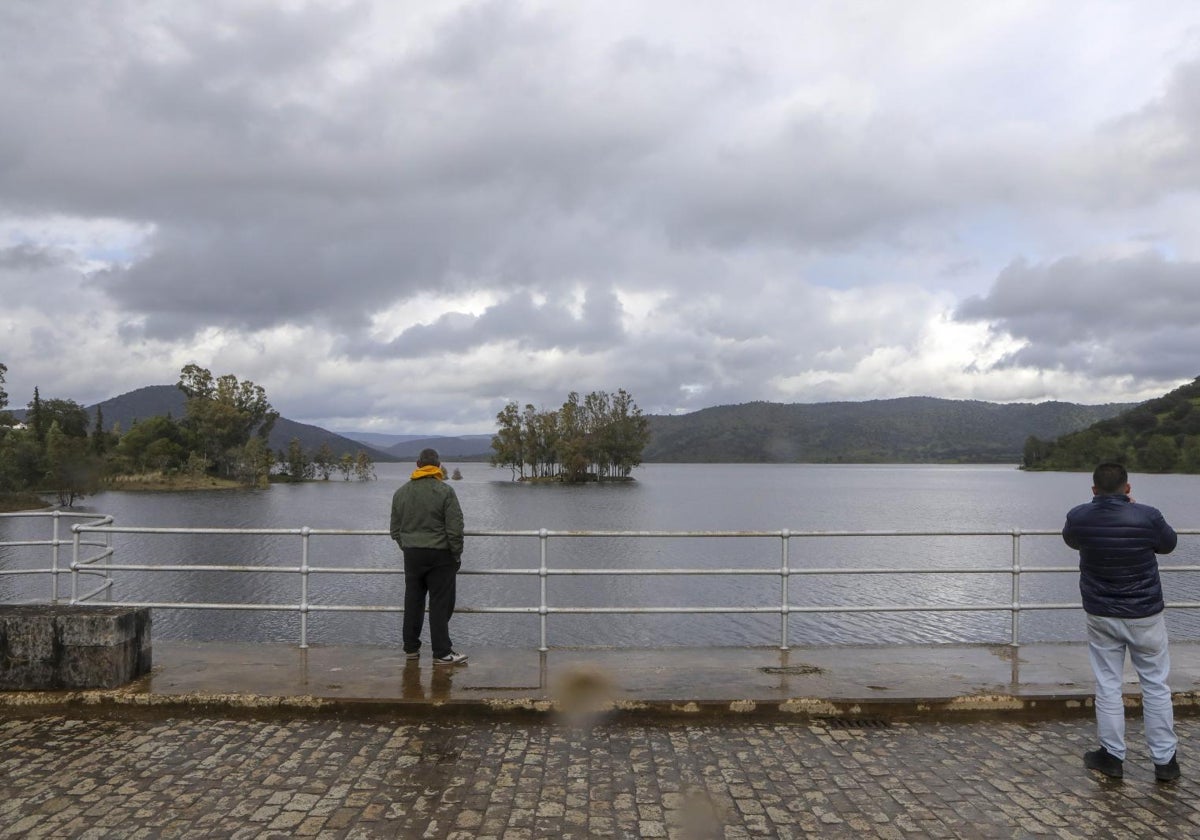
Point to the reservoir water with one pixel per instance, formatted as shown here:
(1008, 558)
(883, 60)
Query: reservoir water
(674, 497)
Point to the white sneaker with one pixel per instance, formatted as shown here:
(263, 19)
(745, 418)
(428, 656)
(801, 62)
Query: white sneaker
(416, 654)
(450, 658)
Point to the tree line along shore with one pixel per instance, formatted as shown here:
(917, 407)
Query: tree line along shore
(60, 450)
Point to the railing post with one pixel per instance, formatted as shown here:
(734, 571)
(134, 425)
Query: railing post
(54, 562)
(542, 540)
(1016, 588)
(75, 565)
(785, 535)
(304, 534)
(108, 587)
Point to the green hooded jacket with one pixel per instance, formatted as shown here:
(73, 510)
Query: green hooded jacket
(426, 514)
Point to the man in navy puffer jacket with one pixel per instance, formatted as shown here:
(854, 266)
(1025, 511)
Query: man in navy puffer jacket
(1122, 594)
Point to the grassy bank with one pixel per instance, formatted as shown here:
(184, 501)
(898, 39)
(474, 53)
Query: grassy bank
(162, 481)
(13, 502)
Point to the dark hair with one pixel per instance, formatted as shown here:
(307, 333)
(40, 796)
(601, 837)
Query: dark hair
(429, 458)
(1110, 478)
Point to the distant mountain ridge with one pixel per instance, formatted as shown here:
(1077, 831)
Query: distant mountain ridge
(407, 447)
(902, 430)
(465, 448)
(378, 439)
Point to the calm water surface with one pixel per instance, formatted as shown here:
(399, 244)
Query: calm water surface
(690, 497)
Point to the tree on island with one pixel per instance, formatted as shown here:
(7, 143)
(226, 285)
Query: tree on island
(254, 465)
(296, 464)
(71, 470)
(222, 414)
(364, 470)
(155, 444)
(598, 438)
(324, 461)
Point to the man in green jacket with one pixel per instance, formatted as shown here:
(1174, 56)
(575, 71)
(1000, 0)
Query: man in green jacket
(427, 524)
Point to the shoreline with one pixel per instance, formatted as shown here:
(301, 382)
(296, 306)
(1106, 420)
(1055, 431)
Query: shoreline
(149, 483)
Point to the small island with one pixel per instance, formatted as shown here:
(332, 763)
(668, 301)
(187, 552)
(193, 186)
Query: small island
(599, 438)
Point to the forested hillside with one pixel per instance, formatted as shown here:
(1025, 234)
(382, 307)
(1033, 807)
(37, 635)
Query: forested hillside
(1162, 435)
(906, 430)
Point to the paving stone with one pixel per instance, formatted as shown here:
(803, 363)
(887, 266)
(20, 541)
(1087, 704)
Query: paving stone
(75, 776)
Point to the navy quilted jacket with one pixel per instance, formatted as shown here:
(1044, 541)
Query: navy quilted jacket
(1117, 541)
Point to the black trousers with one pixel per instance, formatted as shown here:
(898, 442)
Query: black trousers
(432, 572)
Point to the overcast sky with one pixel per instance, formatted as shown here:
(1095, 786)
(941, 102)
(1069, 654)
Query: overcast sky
(397, 216)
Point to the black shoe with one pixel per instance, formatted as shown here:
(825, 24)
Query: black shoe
(1168, 772)
(1105, 762)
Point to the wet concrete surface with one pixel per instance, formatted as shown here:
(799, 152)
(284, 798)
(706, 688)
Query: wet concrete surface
(893, 681)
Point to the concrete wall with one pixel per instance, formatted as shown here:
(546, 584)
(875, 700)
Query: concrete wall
(54, 646)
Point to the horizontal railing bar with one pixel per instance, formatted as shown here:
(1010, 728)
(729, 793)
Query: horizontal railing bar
(137, 567)
(49, 543)
(777, 610)
(772, 610)
(775, 572)
(398, 609)
(571, 572)
(851, 570)
(64, 570)
(50, 514)
(125, 529)
(1162, 567)
(491, 532)
(339, 532)
(195, 605)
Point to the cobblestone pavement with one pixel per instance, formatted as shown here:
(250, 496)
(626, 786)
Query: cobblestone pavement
(102, 777)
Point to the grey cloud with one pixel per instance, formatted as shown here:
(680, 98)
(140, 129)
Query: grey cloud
(1156, 149)
(476, 39)
(519, 318)
(30, 257)
(503, 147)
(1135, 316)
(278, 196)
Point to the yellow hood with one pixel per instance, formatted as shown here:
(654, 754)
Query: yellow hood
(422, 472)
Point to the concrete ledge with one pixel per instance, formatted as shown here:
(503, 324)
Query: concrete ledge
(852, 684)
(800, 709)
(55, 646)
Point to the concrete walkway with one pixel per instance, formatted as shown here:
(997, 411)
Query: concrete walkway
(96, 777)
(868, 681)
(271, 743)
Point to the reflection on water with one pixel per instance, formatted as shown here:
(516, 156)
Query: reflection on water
(666, 497)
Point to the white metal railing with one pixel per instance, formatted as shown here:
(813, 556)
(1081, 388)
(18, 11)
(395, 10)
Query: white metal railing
(55, 544)
(784, 571)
